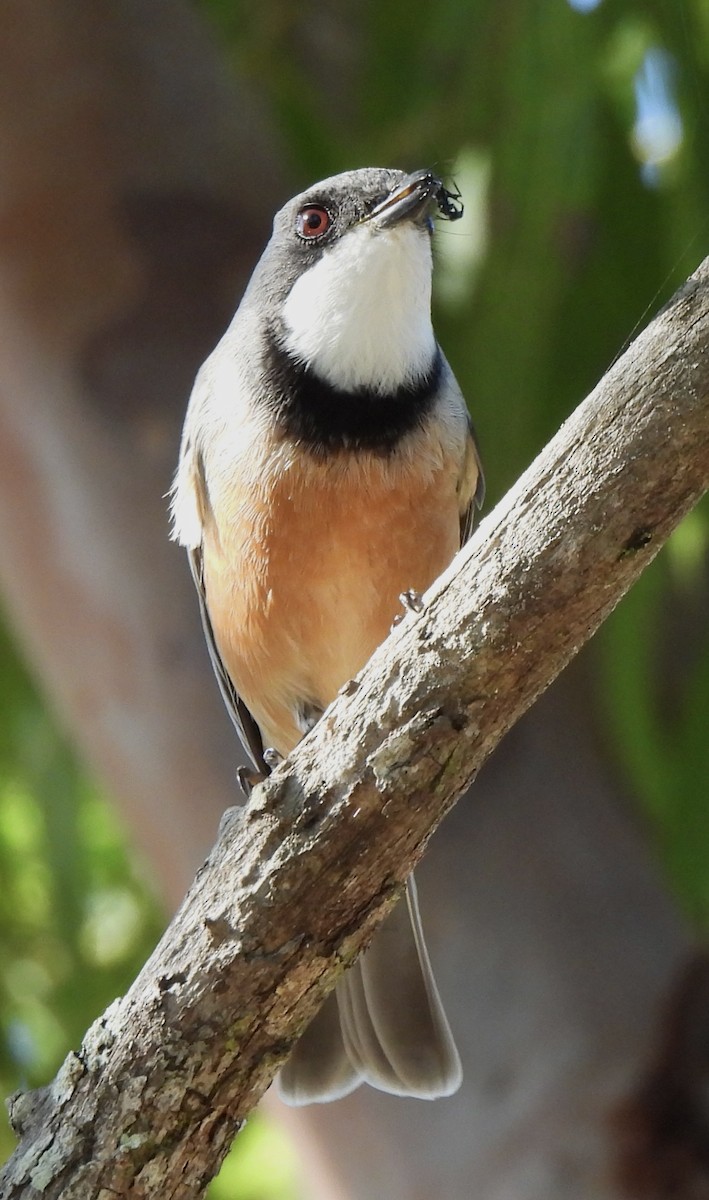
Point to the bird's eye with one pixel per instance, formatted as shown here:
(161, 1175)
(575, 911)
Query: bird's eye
(312, 221)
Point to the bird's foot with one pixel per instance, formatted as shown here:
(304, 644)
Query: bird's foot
(247, 779)
(411, 601)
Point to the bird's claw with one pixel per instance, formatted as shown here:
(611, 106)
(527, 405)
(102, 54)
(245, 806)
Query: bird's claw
(247, 779)
(412, 600)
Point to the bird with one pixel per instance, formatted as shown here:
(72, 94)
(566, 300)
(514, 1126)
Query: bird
(329, 465)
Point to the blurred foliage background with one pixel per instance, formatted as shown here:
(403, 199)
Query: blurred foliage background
(578, 134)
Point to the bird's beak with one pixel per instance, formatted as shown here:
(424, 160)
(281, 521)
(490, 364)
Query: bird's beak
(411, 200)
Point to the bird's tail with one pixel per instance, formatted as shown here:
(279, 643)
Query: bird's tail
(384, 1024)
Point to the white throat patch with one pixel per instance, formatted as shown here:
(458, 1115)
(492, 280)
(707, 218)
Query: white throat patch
(361, 316)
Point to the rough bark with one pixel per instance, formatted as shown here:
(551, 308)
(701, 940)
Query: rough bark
(298, 881)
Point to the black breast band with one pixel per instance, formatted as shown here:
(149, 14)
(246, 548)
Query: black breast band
(326, 418)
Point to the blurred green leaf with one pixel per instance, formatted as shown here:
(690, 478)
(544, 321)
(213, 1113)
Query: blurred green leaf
(64, 863)
(655, 685)
(261, 1166)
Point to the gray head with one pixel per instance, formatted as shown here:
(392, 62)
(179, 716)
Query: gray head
(344, 284)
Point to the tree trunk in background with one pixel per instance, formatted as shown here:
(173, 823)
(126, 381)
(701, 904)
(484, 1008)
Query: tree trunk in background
(138, 187)
(137, 183)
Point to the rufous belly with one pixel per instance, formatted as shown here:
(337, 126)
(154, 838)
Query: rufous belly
(303, 570)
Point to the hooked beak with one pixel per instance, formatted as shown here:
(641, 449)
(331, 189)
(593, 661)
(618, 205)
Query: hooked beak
(413, 200)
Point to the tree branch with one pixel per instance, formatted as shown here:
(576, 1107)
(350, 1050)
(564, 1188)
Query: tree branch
(300, 878)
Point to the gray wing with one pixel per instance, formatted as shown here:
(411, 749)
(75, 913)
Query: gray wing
(189, 507)
(472, 485)
(246, 727)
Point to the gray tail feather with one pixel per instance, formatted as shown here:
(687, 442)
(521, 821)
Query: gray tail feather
(384, 1025)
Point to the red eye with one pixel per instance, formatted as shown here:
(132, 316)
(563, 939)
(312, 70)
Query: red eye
(313, 221)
